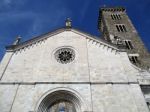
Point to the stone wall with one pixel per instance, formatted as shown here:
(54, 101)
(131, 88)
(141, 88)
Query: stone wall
(93, 62)
(96, 97)
(101, 76)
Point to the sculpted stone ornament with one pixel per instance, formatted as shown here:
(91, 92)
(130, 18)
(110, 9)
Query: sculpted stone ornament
(17, 41)
(118, 40)
(68, 23)
(62, 106)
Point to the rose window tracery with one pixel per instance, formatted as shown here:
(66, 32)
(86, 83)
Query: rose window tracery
(65, 55)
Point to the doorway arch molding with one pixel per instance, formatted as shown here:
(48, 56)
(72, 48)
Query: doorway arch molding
(51, 96)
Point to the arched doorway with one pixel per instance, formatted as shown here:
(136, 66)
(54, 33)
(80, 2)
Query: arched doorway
(60, 101)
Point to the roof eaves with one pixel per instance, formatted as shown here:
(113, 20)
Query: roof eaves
(97, 39)
(54, 32)
(35, 39)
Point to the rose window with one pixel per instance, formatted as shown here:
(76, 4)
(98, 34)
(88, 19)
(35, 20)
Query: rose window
(65, 55)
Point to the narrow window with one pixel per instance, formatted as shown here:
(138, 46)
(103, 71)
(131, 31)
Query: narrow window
(118, 28)
(115, 16)
(112, 16)
(121, 28)
(124, 28)
(148, 104)
(119, 16)
(134, 59)
(128, 44)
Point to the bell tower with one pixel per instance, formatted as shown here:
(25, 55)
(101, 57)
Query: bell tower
(117, 28)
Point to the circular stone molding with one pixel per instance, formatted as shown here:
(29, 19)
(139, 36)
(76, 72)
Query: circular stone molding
(53, 102)
(65, 55)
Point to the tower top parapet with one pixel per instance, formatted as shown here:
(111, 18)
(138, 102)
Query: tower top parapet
(113, 9)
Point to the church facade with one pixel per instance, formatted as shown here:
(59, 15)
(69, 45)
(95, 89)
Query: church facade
(68, 70)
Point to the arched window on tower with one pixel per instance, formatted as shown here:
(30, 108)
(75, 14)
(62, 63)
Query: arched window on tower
(119, 16)
(112, 17)
(121, 28)
(124, 28)
(115, 16)
(118, 29)
(128, 44)
(134, 59)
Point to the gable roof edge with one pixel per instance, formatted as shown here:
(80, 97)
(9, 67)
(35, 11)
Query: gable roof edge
(34, 40)
(95, 38)
(57, 31)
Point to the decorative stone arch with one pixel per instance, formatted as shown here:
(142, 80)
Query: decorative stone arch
(61, 94)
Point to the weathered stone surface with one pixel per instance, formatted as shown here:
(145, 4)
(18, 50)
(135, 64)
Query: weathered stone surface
(92, 59)
(28, 96)
(108, 65)
(118, 98)
(39, 60)
(7, 97)
(4, 63)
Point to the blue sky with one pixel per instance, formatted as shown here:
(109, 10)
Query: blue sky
(30, 18)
